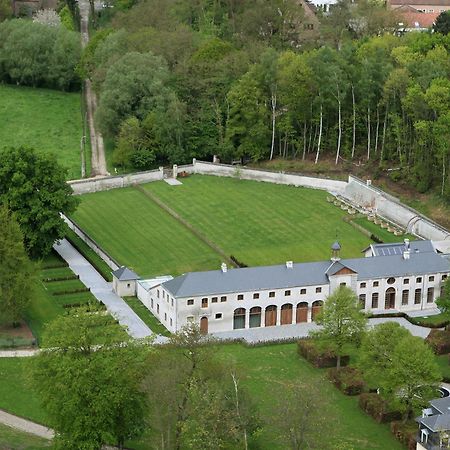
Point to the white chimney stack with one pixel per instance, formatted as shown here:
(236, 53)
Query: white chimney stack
(406, 254)
(289, 264)
(224, 268)
(406, 244)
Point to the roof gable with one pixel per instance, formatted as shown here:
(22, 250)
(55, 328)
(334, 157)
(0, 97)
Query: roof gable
(125, 274)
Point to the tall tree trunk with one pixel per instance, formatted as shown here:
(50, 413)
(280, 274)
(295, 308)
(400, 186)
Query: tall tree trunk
(368, 132)
(304, 141)
(443, 175)
(338, 361)
(354, 121)
(376, 130)
(338, 150)
(274, 106)
(238, 411)
(320, 134)
(384, 132)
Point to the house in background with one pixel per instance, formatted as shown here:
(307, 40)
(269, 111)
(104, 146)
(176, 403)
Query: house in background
(425, 6)
(434, 426)
(411, 19)
(26, 8)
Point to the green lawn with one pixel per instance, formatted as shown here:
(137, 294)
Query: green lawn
(47, 120)
(382, 233)
(149, 319)
(11, 439)
(258, 223)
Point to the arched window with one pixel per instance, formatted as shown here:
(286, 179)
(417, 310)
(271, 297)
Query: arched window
(239, 318)
(271, 316)
(389, 298)
(316, 308)
(255, 317)
(302, 312)
(286, 314)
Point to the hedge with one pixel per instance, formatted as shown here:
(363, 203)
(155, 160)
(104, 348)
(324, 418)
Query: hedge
(347, 379)
(405, 433)
(317, 356)
(376, 407)
(439, 341)
(65, 278)
(71, 291)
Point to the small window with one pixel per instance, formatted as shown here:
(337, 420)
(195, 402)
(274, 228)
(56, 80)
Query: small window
(223, 299)
(164, 294)
(287, 293)
(214, 299)
(128, 285)
(151, 303)
(318, 290)
(157, 308)
(375, 300)
(417, 296)
(444, 277)
(431, 278)
(406, 281)
(391, 280)
(170, 322)
(430, 295)
(190, 302)
(218, 315)
(240, 297)
(271, 294)
(189, 319)
(405, 297)
(172, 302)
(157, 293)
(419, 280)
(362, 285)
(343, 284)
(362, 301)
(375, 283)
(302, 291)
(255, 296)
(165, 317)
(204, 302)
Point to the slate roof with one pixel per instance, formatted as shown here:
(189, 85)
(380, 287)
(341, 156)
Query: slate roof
(125, 274)
(399, 247)
(441, 404)
(436, 423)
(436, 3)
(303, 274)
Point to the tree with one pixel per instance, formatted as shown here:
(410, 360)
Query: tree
(18, 273)
(402, 366)
(342, 321)
(5, 10)
(48, 17)
(442, 23)
(34, 187)
(88, 377)
(443, 302)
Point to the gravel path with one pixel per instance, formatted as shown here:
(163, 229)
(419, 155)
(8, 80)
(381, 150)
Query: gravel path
(18, 353)
(102, 290)
(25, 425)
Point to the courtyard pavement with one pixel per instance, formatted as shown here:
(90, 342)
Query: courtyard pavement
(102, 290)
(297, 331)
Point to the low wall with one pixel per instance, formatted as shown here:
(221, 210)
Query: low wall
(91, 243)
(105, 183)
(224, 170)
(389, 207)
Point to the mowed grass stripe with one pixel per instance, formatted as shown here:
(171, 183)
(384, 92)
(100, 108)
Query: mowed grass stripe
(262, 223)
(140, 235)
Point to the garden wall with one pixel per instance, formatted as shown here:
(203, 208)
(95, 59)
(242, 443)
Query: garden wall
(390, 208)
(91, 243)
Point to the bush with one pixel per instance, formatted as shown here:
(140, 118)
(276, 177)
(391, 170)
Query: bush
(240, 264)
(70, 291)
(439, 340)
(377, 408)
(318, 356)
(376, 239)
(405, 433)
(347, 379)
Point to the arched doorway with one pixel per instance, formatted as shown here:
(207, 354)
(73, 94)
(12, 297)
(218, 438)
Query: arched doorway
(255, 317)
(302, 312)
(204, 325)
(239, 318)
(389, 298)
(271, 316)
(316, 308)
(286, 314)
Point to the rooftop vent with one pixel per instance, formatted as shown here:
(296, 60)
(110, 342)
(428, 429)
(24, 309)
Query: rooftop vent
(224, 268)
(289, 264)
(406, 254)
(406, 241)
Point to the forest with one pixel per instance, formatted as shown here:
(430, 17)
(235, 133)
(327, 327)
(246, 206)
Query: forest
(258, 80)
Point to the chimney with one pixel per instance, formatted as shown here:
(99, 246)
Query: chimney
(224, 268)
(406, 254)
(406, 244)
(289, 264)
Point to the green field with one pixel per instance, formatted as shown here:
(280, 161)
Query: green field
(258, 223)
(50, 121)
(11, 439)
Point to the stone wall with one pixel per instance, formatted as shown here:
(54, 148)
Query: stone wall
(390, 208)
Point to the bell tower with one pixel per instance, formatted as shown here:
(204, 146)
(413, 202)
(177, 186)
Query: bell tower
(335, 251)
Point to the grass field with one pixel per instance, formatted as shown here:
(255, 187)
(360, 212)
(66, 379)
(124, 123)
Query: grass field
(258, 223)
(47, 120)
(11, 439)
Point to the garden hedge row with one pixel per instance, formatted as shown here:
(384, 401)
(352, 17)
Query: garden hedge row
(376, 407)
(347, 379)
(317, 356)
(71, 291)
(439, 341)
(405, 433)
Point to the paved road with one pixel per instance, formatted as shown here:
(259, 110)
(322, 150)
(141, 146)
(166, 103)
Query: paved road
(267, 334)
(25, 425)
(18, 353)
(102, 290)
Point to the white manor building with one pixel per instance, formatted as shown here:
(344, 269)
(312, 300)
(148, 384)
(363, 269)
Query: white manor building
(391, 277)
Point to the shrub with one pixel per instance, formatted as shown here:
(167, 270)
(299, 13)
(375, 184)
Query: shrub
(405, 433)
(376, 407)
(439, 340)
(376, 239)
(71, 291)
(240, 264)
(347, 379)
(317, 355)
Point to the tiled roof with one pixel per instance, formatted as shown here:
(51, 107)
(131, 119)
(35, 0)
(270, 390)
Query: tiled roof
(125, 274)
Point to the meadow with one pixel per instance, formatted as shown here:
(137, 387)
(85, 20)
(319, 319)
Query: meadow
(257, 223)
(49, 121)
